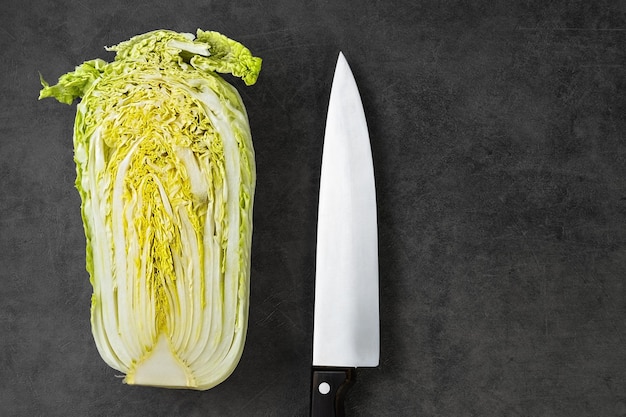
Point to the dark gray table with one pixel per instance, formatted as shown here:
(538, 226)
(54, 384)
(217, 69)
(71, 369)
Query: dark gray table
(500, 156)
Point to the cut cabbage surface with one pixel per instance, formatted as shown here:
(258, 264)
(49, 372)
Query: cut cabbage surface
(166, 175)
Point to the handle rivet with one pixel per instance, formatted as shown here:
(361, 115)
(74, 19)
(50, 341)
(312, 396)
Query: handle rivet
(324, 388)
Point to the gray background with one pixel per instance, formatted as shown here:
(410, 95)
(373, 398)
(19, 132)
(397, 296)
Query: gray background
(498, 137)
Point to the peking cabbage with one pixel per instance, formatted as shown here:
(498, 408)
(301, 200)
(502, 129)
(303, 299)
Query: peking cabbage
(166, 175)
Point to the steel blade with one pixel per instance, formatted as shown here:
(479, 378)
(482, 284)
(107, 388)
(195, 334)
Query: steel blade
(346, 319)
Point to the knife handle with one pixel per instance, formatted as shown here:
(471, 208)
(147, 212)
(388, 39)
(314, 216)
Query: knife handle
(328, 391)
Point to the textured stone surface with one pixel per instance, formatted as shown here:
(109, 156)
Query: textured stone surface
(499, 149)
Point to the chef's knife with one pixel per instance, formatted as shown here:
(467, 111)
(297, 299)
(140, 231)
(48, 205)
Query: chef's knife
(346, 319)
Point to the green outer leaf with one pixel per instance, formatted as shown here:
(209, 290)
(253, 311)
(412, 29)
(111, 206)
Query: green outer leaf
(73, 84)
(227, 56)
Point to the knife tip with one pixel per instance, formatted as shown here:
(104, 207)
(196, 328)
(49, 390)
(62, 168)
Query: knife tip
(341, 58)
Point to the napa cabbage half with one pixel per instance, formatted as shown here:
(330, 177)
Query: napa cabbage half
(166, 175)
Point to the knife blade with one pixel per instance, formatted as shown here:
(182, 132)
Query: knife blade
(346, 330)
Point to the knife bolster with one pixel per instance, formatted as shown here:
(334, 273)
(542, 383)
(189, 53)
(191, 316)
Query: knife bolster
(329, 389)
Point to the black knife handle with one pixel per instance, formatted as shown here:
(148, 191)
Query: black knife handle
(328, 391)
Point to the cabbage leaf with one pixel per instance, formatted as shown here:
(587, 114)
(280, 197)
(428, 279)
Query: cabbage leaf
(166, 175)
